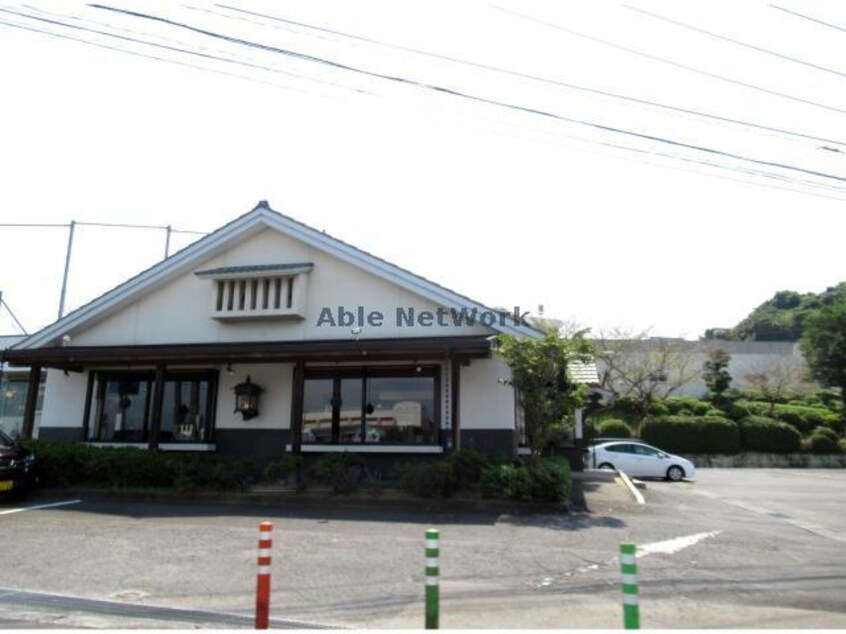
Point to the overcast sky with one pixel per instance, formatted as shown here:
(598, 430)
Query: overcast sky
(641, 165)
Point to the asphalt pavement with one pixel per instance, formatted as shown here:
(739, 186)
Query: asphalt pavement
(736, 548)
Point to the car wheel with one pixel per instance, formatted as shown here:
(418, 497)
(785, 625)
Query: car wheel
(606, 465)
(675, 474)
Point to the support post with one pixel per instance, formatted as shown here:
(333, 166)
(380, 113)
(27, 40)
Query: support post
(32, 388)
(263, 578)
(628, 568)
(168, 231)
(432, 579)
(158, 406)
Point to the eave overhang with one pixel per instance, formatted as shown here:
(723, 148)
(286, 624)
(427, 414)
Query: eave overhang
(363, 350)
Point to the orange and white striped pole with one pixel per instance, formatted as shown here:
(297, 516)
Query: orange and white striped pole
(263, 584)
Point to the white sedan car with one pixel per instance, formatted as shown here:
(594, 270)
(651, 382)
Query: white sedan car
(635, 458)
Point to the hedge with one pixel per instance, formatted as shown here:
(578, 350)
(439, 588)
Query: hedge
(826, 431)
(803, 418)
(539, 480)
(67, 464)
(688, 406)
(614, 428)
(692, 434)
(759, 433)
(823, 444)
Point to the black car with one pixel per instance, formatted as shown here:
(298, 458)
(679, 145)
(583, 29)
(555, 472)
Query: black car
(17, 468)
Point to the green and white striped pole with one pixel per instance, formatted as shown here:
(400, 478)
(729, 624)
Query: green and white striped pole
(432, 573)
(628, 566)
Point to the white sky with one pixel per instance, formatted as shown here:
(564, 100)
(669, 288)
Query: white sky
(509, 207)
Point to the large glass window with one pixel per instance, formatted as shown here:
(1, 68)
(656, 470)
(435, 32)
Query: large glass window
(371, 405)
(13, 402)
(122, 403)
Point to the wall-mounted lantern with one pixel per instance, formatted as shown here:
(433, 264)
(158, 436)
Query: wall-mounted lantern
(247, 399)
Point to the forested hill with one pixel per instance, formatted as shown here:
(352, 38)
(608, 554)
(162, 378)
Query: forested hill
(779, 318)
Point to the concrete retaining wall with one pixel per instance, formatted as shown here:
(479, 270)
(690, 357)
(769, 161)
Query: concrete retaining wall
(770, 461)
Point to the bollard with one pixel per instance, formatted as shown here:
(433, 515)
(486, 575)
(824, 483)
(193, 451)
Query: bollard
(628, 567)
(432, 573)
(263, 580)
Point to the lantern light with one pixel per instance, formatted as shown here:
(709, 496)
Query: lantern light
(247, 399)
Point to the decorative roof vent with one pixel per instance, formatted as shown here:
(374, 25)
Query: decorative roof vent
(264, 291)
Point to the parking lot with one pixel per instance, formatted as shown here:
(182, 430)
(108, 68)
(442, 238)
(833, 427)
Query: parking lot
(735, 548)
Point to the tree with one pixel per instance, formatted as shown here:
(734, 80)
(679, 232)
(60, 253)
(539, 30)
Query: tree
(641, 368)
(545, 391)
(824, 346)
(716, 375)
(778, 381)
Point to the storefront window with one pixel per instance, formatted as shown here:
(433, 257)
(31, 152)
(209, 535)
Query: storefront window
(121, 411)
(13, 402)
(371, 406)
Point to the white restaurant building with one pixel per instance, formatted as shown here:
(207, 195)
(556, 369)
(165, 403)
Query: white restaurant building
(349, 351)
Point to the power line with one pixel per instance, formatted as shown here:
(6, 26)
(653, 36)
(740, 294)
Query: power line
(670, 62)
(733, 41)
(103, 224)
(167, 47)
(807, 17)
(528, 76)
(467, 96)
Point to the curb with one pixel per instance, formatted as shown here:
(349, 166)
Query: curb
(632, 488)
(291, 500)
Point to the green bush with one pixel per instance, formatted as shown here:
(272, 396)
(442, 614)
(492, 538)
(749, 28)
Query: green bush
(738, 410)
(287, 465)
(467, 467)
(758, 433)
(550, 480)
(842, 445)
(427, 479)
(614, 428)
(826, 431)
(63, 464)
(540, 480)
(693, 406)
(823, 444)
(692, 434)
(510, 481)
(342, 471)
(801, 417)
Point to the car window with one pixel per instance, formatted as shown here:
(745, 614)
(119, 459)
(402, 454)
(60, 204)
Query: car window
(622, 448)
(646, 451)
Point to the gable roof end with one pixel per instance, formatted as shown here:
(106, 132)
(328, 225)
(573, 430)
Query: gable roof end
(262, 216)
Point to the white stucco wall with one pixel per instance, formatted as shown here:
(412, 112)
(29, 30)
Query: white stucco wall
(275, 404)
(64, 399)
(484, 402)
(179, 311)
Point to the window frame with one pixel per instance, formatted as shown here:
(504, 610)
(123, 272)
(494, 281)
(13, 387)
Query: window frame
(364, 373)
(95, 398)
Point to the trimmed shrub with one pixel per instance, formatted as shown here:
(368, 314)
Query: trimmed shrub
(826, 431)
(342, 471)
(687, 404)
(63, 464)
(738, 410)
(823, 444)
(759, 433)
(541, 480)
(842, 444)
(467, 467)
(510, 481)
(801, 417)
(550, 480)
(614, 428)
(429, 478)
(692, 434)
(281, 469)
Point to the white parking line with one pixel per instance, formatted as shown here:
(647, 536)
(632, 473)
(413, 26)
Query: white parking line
(38, 506)
(672, 546)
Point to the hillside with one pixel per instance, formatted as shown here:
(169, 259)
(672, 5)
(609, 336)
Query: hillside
(779, 318)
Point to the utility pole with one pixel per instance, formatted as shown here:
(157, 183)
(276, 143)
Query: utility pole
(67, 266)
